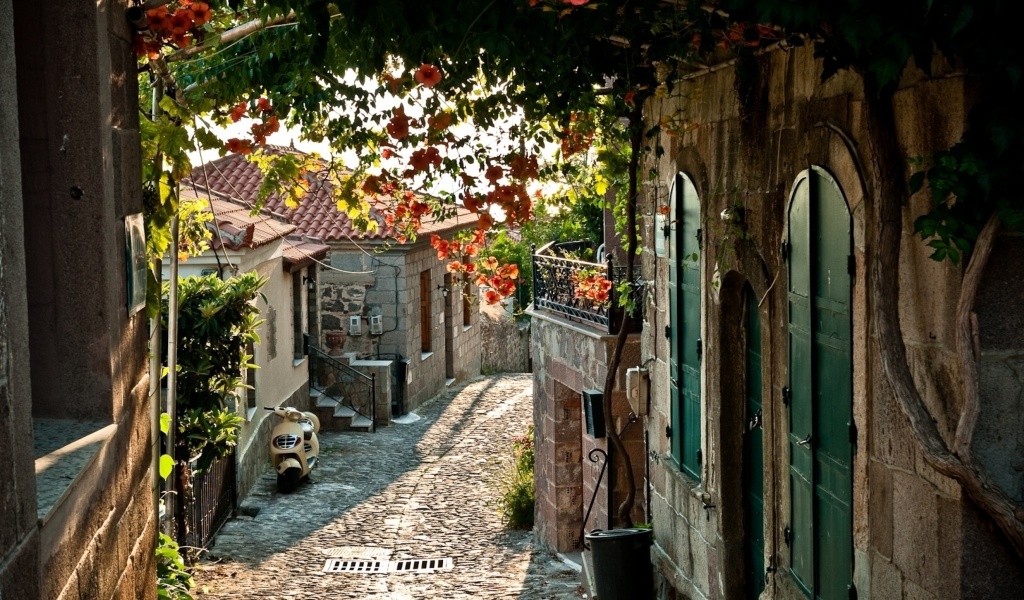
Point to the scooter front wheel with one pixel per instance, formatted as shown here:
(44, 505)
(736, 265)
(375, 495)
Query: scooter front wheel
(289, 480)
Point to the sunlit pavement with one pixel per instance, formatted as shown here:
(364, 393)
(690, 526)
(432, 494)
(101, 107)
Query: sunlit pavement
(424, 489)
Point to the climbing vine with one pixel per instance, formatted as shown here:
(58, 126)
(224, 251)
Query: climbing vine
(403, 87)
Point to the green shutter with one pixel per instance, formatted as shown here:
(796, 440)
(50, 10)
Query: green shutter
(684, 323)
(821, 387)
(675, 262)
(833, 407)
(800, 466)
(753, 453)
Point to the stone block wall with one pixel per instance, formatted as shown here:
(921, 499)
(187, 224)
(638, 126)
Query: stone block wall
(19, 536)
(915, 533)
(389, 285)
(69, 121)
(570, 358)
(505, 343)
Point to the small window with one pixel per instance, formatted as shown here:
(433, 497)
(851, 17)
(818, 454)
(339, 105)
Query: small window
(297, 310)
(427, 344)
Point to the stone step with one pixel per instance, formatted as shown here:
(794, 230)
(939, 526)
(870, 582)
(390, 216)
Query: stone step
(342, 411)
(325, 402)
(361, 422)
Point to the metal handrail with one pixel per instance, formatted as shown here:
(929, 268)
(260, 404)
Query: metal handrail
(344, 376)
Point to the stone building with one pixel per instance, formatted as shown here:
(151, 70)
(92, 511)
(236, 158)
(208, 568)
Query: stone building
(813, 477)
(378, 298)
(776, 461)
(267, 245)
(77, 494)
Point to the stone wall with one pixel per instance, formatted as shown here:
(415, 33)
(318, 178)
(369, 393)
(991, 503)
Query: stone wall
(915, 535)
(19, 536)
(570, 358)
(65, 333)
(505, 342)
(388, 284)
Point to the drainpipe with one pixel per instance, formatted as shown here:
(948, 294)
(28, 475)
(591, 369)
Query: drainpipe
(172, 365)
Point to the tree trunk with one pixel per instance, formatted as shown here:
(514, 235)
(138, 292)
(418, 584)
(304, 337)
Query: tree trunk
(622, 514)
(892, 193)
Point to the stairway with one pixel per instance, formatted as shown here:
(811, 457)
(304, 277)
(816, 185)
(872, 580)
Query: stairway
(335, 415)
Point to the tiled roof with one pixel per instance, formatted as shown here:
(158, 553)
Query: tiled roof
(298, 252)
(237, 227)
(316, 216)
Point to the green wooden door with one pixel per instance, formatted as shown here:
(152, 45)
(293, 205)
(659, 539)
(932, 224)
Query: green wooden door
(821, 387)
(684, 324)
(753, 453)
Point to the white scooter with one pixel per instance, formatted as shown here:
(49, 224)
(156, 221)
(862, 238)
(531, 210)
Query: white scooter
(293, 446)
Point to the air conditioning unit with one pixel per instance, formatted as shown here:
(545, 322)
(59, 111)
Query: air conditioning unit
(355, 325)
(376, 325)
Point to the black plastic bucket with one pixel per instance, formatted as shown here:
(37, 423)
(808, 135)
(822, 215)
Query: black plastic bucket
(622, 564)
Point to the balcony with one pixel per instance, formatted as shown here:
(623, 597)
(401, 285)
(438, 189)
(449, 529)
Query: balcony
(556, 288)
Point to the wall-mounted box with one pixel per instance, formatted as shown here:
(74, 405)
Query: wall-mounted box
(376, 325)
(637, 390)
(355, 325)
(593, 410)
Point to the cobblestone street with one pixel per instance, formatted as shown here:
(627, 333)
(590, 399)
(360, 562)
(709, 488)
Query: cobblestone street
(418, 490)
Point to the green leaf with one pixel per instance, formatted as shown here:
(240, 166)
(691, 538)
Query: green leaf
(166, 465)
(165, 423)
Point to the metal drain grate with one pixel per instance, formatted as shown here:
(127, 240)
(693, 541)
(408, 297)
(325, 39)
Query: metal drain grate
(369, 565)
(355, 565)
(421, 565)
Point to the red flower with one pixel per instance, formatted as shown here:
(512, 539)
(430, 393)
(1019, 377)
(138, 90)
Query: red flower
(238, 111)
(454, 267)
(181, 40)
(239, 146)
(485, 221)
(398, 126)
(494, 173)
(576, 2)
(264, 105)
(201, 13)
(428, 75)
(491, 297)
(509, 271)
(372, 185)
(630, 97)
(158, 18)
(181, 21)
(440, 122)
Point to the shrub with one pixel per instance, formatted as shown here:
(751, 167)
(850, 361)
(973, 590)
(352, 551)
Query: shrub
(173, 579)
(517, 491)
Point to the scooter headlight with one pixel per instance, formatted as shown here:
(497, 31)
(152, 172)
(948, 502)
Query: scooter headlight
(286, 442)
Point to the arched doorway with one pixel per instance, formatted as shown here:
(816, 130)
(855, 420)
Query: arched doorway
(684, 291)
(820, 390)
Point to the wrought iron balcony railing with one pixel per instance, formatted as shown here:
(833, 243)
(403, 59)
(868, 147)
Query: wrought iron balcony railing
(555, 289)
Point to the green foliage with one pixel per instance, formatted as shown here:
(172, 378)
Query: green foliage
(980, 174)
(216, 321)
(173, 578)
(518, 495)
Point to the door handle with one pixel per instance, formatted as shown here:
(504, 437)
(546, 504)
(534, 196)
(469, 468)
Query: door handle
(806, 441)
(754, 421)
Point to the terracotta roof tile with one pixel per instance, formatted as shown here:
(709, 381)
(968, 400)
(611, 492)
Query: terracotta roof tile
(316, 216)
